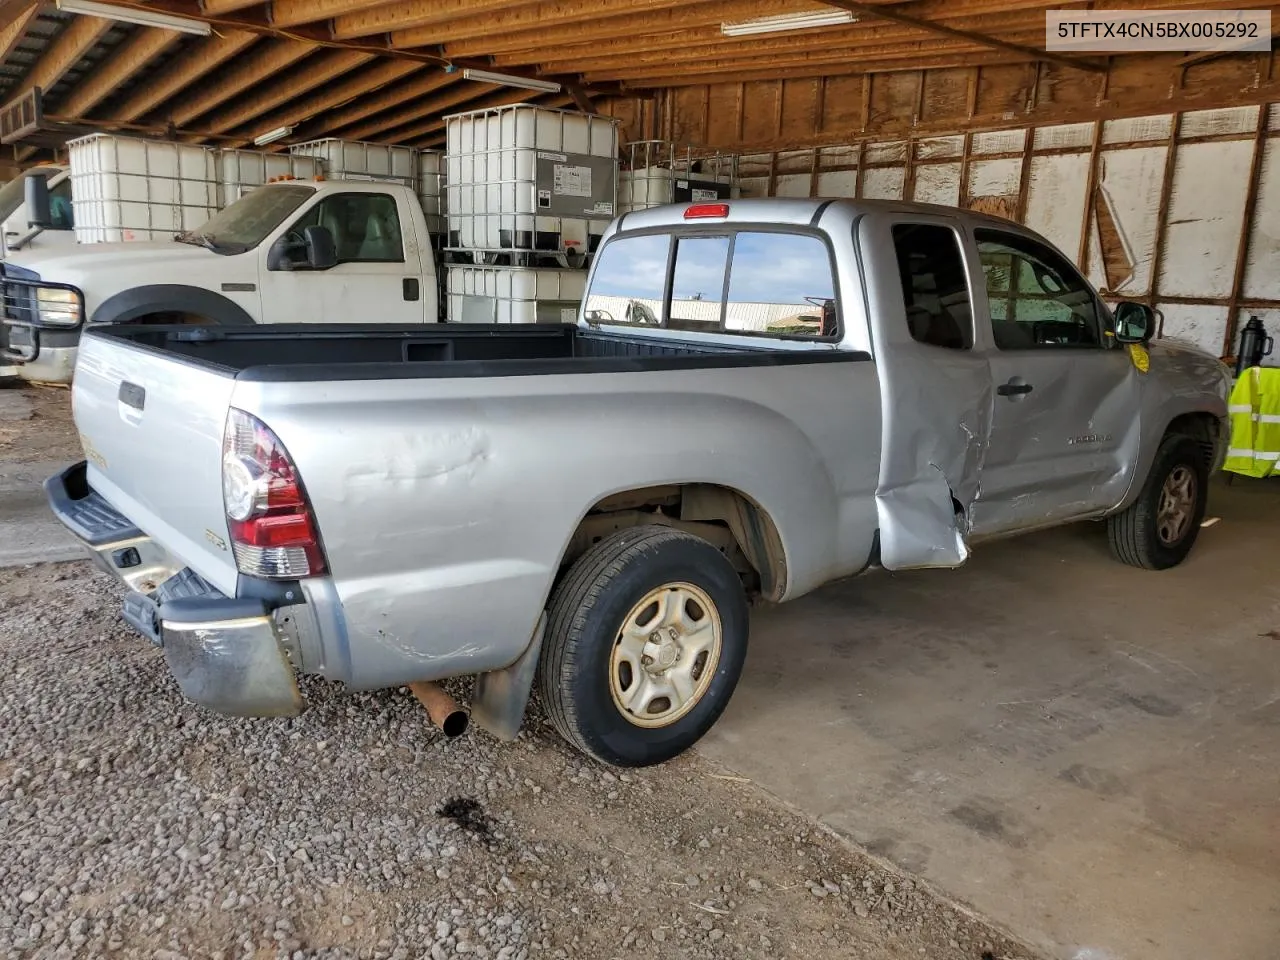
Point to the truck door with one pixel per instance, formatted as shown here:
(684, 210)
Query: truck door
(1065, 401)
(934, 384)
(378, 276)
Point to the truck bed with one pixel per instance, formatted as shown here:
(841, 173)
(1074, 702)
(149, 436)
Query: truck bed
(306, 352)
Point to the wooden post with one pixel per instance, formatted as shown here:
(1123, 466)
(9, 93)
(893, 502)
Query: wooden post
(1162, 212)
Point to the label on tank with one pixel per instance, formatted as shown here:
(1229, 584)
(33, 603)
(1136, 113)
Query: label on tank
(571, 181)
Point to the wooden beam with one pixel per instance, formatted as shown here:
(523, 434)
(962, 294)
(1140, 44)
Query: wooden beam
(219, 7)
(451, 99)
(417, 13)
(818, 63)
(258, 66)
(885, 12)
(290, 13)
(688, 78)
(326, 68)
(384, 74)
(758, 52)
(554, 14)
(13, 31)
(615, 23)
(371, 105)
(65, 52)
(580, 98)
(129, 57)
(195, 62)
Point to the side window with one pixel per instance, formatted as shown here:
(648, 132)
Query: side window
(697, 284)
(630, 281)
(934, 285)
(61, 215)
(781, 284)
(1038, 300)
(365, 226)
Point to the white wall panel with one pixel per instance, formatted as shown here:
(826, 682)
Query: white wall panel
(1262, 276)
(938, 183)
(1197, 324)
(1056, 198)
(1129, 186)
(1205, 215)
(883, 183)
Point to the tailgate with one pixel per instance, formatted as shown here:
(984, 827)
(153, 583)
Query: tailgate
(151, 425)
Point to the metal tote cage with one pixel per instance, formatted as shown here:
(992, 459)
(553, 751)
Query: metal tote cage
(529, 186)
(657, 172)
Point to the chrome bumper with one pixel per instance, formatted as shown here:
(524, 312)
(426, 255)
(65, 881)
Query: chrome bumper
(227, 653)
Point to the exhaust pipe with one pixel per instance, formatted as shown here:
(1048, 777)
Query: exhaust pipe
(441, 708)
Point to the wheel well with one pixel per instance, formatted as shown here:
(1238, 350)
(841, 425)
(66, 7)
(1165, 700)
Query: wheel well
(1200, 427)
(727, 519)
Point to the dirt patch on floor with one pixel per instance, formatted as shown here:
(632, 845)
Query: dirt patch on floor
(35, 424)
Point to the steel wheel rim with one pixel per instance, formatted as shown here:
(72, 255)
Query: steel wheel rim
(1177, 505)
(665, 655)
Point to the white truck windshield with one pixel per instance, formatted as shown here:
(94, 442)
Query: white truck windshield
(247, 222)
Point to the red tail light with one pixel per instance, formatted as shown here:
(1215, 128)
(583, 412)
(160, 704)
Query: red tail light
(273, 530)
(706, 211)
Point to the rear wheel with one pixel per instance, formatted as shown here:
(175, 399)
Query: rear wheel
(646, 637)
(1160, 528)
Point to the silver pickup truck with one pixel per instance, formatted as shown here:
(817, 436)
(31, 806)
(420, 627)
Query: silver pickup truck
(759, 397)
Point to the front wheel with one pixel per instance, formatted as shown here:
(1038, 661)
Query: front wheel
(646, 637)
(1159, 529)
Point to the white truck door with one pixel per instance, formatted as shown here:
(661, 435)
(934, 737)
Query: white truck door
(378, 277)
(1065, 417)
(934, 383)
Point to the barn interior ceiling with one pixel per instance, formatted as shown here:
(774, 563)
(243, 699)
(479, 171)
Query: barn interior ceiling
(390, 72)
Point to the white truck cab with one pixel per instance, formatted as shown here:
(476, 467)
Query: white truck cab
(287, 252)
(21, 241)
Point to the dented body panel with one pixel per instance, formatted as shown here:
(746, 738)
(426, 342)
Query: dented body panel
(448, 491)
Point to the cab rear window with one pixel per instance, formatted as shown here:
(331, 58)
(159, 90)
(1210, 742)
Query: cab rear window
(753, 282)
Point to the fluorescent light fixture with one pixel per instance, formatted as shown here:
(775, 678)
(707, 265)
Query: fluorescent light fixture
(507, 80)
(271, 136)
(145, 18)
(788, 21)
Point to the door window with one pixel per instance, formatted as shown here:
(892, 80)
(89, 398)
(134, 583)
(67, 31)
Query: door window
(61, 214)
(1037, 299)
(935, 286)
(365, 226)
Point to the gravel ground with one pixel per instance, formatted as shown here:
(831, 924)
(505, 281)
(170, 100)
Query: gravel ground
(134, 824)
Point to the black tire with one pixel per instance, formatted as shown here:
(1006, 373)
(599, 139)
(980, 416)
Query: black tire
(1135, 534)
(585, 621)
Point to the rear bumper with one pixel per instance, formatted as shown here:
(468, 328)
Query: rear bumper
(227, 653)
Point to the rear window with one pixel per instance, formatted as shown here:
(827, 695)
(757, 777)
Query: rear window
(754, 282)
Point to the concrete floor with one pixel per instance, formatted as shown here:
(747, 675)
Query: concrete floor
(1086, 753)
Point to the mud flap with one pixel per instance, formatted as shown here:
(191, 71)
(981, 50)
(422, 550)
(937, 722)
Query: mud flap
(919, 525)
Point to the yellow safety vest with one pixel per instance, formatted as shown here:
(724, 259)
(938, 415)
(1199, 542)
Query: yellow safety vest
(1255, 424)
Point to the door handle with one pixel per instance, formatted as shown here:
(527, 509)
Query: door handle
(1014, 388)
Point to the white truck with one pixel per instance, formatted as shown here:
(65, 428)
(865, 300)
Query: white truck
(340, 250)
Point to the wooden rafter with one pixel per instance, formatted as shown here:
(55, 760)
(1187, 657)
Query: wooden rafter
(326, 68)
(384, 74)
(886, 12)
(291, 13)
(258, 66)
(451, 98)
(131, 56)
(398, 95)
(194, 64)
(415, 13)
(63, 54)
(561, 13)
(16, 28)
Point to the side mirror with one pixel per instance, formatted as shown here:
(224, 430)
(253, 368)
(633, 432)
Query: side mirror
(1135, 322)
(322, 252)
(36, 196)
